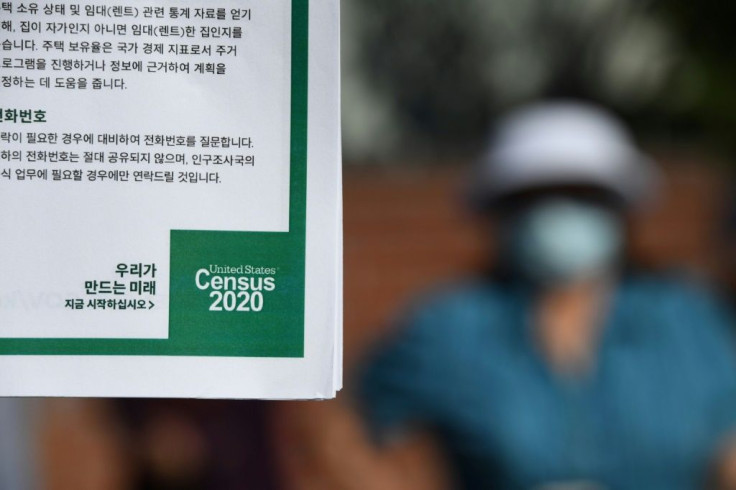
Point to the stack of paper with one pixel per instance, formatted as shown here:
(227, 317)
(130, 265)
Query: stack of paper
(170, 175)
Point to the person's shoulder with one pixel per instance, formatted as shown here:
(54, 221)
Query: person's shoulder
(676, 302)
(456, 312)
(467, 297)
(440, 326)
(669, 289)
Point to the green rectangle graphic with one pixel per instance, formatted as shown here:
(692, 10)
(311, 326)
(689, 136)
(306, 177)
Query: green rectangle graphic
(237, 294)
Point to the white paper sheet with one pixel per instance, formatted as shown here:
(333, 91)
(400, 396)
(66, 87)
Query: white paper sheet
(171, 172)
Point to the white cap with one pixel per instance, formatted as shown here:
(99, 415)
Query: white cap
(563, 143)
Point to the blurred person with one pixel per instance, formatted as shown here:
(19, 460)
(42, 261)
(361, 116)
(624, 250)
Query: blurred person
(563, 369)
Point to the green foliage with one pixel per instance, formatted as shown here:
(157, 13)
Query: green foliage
(438, 72)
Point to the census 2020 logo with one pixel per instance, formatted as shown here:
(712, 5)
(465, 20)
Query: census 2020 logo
(236, 288)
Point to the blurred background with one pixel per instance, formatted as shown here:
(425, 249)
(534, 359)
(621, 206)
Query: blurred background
(423, 82)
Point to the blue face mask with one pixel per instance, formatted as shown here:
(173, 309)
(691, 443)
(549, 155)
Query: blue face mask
(561, 240)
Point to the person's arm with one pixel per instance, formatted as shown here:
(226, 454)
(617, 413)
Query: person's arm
(381, 437)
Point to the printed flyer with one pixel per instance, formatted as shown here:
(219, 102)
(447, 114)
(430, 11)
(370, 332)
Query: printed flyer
(170, 179)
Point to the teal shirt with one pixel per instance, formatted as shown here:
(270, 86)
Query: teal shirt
(651, 415)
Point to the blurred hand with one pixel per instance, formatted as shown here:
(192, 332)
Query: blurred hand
(724, 474)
